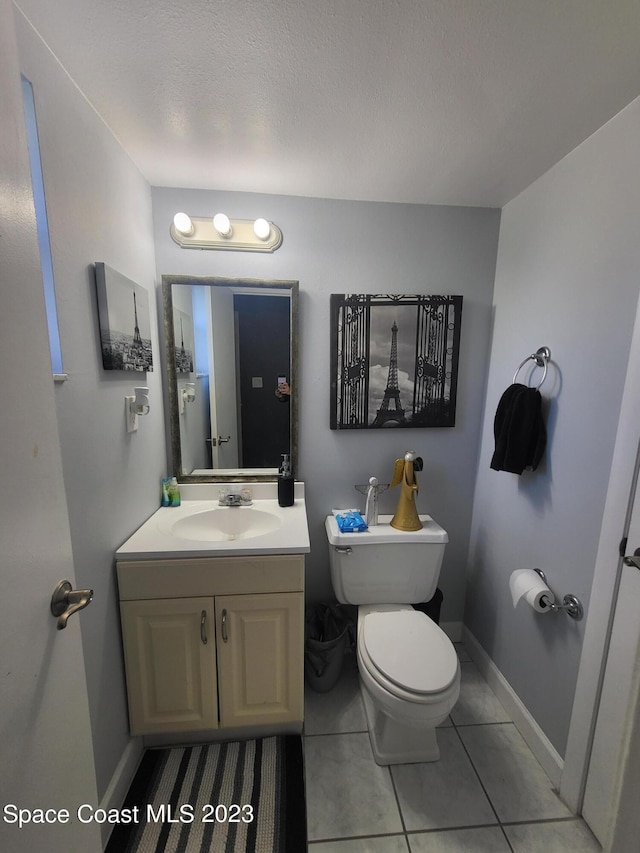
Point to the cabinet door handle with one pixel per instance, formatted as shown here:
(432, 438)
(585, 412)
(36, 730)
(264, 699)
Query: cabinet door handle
(203, 627)
(223, 627)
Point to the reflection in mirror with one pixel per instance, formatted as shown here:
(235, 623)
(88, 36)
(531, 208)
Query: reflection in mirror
(230, 347)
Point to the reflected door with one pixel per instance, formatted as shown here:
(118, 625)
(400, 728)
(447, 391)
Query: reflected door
(222, 387)
(262, 357)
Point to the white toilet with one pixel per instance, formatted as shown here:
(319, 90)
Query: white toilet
(409, 670)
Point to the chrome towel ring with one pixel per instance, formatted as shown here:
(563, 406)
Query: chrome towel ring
(541, 357)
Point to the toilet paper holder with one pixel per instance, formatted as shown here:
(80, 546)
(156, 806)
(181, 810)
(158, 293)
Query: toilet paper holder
(571, 604)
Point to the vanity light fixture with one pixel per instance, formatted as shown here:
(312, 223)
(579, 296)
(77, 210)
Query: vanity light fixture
(136, 406)
(221, 232)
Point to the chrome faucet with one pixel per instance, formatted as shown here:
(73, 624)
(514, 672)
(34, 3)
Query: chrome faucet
(242, 498)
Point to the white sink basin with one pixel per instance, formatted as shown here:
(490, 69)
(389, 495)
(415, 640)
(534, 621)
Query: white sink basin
(200, 527)
(225, 524)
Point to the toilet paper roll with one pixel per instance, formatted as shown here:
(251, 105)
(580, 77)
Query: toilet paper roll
(527, 584)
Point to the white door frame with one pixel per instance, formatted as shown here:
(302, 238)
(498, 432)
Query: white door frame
(604, 589)
(626, 826)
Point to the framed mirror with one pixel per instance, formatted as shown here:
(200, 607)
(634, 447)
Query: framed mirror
(231, 366)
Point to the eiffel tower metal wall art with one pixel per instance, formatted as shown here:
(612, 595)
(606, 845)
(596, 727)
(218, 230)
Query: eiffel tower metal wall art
(394, 360)
(183, 336)
(125, 321)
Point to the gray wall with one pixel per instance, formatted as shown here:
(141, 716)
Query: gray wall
(352, 247)
(567, 277)
(99, 209)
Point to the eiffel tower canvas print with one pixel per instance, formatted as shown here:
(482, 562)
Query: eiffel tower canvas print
(394, 360)
(125, 321)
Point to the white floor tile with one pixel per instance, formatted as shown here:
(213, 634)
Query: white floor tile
(516, 784)
(347, 792)
(570, 836)
(443, 793)
(338, 710)
(352, 805)
(484, 840)
(477, 703)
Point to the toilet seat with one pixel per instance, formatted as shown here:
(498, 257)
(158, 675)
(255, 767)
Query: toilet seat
(407, 649)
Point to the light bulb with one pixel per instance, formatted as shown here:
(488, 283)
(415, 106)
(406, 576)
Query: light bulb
(222, 224)
(182, 223)
(261, 229)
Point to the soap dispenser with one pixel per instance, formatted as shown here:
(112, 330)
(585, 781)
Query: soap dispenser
(285, 482)
(174, 492)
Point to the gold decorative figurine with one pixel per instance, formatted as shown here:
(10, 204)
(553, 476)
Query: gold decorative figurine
(406, 517)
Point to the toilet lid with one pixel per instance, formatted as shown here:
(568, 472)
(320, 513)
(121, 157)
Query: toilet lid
(409, 649)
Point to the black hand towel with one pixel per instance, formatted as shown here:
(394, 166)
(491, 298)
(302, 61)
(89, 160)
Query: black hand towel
(519, 430)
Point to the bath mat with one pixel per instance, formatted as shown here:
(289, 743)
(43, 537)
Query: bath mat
(240, 797)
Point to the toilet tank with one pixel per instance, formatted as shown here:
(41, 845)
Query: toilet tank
(383, 565)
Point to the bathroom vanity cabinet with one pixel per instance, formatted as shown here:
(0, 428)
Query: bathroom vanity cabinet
(213, 642)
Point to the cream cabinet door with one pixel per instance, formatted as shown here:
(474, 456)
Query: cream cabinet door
(260, 642)
(170, 659)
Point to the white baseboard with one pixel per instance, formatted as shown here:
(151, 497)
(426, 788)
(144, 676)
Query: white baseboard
(538, 742)
(120, 782)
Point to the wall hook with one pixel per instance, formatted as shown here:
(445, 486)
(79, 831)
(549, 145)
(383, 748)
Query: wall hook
(541, 356)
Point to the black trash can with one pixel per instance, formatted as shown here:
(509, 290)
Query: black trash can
(326, 638)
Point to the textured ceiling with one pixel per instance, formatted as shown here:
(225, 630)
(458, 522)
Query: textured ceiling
(425, 101)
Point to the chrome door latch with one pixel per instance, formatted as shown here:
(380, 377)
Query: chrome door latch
(633, 560)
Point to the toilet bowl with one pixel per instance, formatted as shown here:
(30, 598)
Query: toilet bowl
(409, 670)
(410, 681)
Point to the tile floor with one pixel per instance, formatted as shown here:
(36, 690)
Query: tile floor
(487, 794)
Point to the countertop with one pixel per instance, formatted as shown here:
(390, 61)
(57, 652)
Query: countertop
(155, 540)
